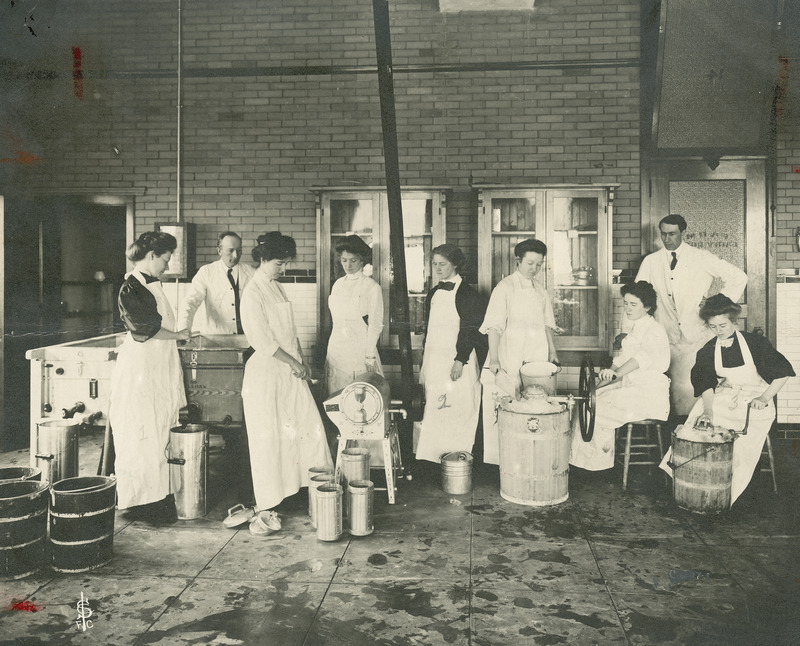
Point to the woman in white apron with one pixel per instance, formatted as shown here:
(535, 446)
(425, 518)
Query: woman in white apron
(284, 429)
(732, 372)
(519, 323)
(147, 384)
(450, 371)
(356, 305)
(635, 387)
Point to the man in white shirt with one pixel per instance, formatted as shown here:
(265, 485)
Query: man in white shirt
(682, 275)
(219, 286)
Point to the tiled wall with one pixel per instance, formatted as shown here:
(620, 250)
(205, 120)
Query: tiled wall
(789, 344)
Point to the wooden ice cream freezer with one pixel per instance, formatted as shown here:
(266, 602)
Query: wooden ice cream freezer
(72, 376)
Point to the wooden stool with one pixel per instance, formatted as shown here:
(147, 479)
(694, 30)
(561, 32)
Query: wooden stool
(767, 449)
(639, 443)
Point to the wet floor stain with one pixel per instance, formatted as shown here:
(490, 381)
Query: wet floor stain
(377, 559)
(487, 596)
(549, 556)
(654, 629)
(593, 620)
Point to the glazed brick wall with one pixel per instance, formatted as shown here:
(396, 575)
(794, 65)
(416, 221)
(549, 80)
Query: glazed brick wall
(254, 141)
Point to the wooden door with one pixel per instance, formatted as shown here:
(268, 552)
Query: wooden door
(726, 212)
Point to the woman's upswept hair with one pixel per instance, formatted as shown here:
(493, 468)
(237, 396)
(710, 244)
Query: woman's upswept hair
(644, 291)
(719, 304)
(530, 245)
(274, 246)
(355, 245)
(453, 254)
(158, 242)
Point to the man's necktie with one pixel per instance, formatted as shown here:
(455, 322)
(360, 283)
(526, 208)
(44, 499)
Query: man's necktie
(674, 261)
(448, 287)
(239, 329)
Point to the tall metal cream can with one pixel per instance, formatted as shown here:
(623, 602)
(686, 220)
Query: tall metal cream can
(361, 494)
(329, 511)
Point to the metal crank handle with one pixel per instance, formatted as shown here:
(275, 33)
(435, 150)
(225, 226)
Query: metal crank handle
(399, 411)
(40, 456)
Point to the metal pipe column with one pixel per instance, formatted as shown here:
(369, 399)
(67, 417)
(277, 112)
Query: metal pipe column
(383, 51)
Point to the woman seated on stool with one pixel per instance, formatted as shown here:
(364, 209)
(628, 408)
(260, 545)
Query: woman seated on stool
(641, 389)
(731, 372)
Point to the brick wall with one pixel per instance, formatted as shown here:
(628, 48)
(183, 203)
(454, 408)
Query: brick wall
(256, 134)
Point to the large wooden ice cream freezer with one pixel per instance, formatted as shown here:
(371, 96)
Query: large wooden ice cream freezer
(73, 380)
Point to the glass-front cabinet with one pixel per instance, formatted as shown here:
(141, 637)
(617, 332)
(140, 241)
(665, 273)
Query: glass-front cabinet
(365, 212)
(575, 224)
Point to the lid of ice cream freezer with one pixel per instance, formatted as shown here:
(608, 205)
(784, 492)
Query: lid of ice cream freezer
(456, 456)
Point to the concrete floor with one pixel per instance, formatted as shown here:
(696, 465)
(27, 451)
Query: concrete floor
(606, 567)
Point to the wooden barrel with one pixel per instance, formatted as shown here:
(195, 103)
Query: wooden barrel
(702, 466)
(534, 455)
(23, 527)
(82, 522)
(20, 473)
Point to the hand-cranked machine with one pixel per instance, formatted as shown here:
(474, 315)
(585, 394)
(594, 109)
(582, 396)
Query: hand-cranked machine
(535, 436)
(362, 410)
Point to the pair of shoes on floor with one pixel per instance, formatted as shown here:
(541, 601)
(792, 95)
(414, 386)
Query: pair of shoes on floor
(158, 514)
(264, 523)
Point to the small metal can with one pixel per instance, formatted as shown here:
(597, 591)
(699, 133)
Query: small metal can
(329, 511)
(315, 471)
(361, 494)
(313, 485)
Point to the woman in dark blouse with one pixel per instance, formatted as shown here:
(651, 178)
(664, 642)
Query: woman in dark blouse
(147, 384)
(734, 371)
(454, 351)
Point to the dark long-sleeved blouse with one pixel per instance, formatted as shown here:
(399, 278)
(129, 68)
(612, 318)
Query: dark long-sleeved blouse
(138, 308)
(770, 364)
(471, 308)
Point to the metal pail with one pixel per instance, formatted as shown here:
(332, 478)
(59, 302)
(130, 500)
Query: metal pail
(534, 455)
(56, 449)
(539, 373)
(361, 494)
(20, 473)
(329, 511)
(188, 469)
(315, 483)
(355, 466)
(23, 527)
(82, 522)
(456, 472)
(315, 471)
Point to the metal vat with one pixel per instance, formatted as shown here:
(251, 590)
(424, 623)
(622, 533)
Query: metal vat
(56, 449)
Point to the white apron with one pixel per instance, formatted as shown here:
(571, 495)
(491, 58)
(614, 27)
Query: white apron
(284, 429)
(524, 340)
(451, 407)
(731, 399)
(345, 360)
(146, 395)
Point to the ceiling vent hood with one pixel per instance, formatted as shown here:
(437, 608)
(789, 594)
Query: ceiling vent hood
(459, 6)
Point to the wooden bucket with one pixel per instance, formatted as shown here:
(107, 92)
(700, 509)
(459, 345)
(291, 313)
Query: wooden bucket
(534, 456)
(82, 522)
(702, 466)
(23, 527)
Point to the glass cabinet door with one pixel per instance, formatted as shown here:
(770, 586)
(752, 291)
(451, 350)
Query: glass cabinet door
(507, 218)
(575, 225)
(576, 264)
(366, 213)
